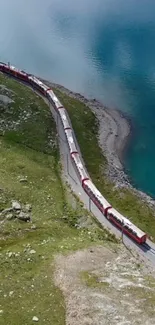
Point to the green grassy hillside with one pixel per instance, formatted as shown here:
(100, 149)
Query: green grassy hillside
(30, 173)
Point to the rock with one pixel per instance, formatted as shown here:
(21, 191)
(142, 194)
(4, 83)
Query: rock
(5, 211)
(10, 254)
(33, 227)
(23, 180)
(23, 216)
(16, 205)
(32, 251)
(9, 216)
(11, 293)
(35, 319)
(28, 207)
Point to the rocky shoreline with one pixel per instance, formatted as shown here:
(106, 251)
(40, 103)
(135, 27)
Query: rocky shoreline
(113, 135)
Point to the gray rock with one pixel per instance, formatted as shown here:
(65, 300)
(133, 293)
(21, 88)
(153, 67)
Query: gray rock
(9, 216)
(23, 216)
(23, 180)
(28, 207)
(5, 100)
(5, 211)
(16, 205)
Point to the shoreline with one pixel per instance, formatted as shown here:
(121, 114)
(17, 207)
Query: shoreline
(114, 132)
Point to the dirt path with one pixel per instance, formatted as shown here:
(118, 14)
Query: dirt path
(102, 287)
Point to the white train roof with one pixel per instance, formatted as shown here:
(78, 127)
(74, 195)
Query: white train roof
(126, 222)
(119, 216)
(81, 168)
(70, 139)
(38, 82)
(96, 192)
(55, 99)
(138, 231)
(64, 118)
(52, 95)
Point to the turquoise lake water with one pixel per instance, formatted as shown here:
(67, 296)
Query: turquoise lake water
(103, 49)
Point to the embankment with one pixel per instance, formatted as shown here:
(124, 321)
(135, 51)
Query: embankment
(102, 134)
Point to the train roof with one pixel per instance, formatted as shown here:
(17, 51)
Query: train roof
(55, 99)
(80, 166)
(100, 197)
(64, 118)
(127, 222)
(38, 82)
(71, 142)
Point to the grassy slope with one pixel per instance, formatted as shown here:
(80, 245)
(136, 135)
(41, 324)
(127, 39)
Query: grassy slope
(26, 281)
(85, 124)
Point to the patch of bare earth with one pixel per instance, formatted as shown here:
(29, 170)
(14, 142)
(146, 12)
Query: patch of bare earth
(101, 286)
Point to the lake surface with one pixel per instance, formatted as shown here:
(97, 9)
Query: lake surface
(103, 49)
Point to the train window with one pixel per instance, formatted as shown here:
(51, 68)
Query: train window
(115, 218)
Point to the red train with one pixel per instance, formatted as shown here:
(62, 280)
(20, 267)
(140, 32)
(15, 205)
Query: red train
(103, 205)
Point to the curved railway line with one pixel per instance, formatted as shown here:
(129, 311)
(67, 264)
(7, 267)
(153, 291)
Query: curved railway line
(77, 174)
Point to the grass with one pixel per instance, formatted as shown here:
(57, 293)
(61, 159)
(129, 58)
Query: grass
(28, 147)
(85, 125)
(92, 280)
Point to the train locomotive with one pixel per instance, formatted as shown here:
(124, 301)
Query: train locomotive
(102, 204)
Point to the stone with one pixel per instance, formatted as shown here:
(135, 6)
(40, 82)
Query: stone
(5, 211)
(28, 207)
(33, 227)
(16, 205)
(9, 216)
(32, 251)
(23, 180)
(35, 319)
(23, 216)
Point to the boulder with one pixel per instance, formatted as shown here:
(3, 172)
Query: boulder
(16, 205)
(23, 180)
(23, 216)
(35, 319)
(28, 207)
(5, 211)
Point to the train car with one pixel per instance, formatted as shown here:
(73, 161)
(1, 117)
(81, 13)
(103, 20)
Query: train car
(64, 118)
(38, 85)
(126, 226)
(11, 70)
(2, 66)
(96, 196)
(54, 100)
(71, 142)
(81, 170)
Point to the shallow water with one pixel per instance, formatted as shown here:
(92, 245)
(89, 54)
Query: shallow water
(103, 49)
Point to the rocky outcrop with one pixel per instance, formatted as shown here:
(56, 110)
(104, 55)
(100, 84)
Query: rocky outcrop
(17, 211)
